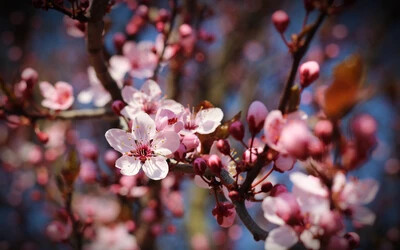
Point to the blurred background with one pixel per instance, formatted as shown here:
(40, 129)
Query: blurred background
(245, 61)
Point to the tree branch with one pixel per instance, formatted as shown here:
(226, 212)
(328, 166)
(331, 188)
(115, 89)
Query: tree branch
(94, 43)
(241, 210)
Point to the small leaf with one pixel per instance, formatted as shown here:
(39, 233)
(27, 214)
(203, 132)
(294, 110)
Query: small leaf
(344, 92)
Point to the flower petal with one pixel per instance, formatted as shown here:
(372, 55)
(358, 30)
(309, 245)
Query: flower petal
(172, 105)
(269, 208)
(143, 128)
(363, 215)
(47, 90)
(283, 237)
(208, 120)
(128, 165)
(128, 94)
(166, 142)
(156, 168)
(120, 140)
(152, 89)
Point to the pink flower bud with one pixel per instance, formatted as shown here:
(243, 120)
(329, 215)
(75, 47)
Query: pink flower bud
(117, 106)
(163, 15)
(119, 40)
(316, 149)
(180, 153)
(266, 187)
(42, 136)
(58, 231)
(185, 30)
(88, 172)
(142, 11)
(110, 157)
(256, 116)
(214, 162)
(236, 129)
(278, 189)
(223, 146)
(225, 214)
(324, 130)
(191, 141)
(200, 166)
(30, 76)
(250, 155)
(281, 20)
(309, 72)
(353, 239)
(364, 126)
(160, 26)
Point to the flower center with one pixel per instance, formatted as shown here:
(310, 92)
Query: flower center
(150, 108)
(142, 152)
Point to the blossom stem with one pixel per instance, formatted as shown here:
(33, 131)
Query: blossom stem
(263, 178)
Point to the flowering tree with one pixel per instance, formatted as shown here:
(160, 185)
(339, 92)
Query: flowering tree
(156, 143)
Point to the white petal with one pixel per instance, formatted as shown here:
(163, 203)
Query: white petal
(128, 165)
(308, 184)
(208, 120)
(166, 142)
(130, 111)
(143, 127)
(86, 96)
(93, 80)
(120, 140)
(101, 98)
(363, 215)
(269, 208)
(152, 89)
(172, 105)
(156, 168)
(309, 241)
(128, 94)
(283, 237)
(48, 91)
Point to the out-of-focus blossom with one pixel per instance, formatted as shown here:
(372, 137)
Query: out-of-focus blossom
(103, 209)
(57, 97)
(225, 214)
(148, 99)
(353, 194)
(281, 20)
(114, 237)
(58, 231)
(143, 148)
(74, 27)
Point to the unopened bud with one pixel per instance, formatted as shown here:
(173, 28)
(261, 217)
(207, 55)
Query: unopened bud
(42, 136)
(281, 20)
(215, 164)
(278, 189)
(236, 129)
(309, 72)
(266, 187)
(223, 146)
(200, 166)
(324, 130)
(117, 106)
(256, 116)
(185, 30)
(234, 195)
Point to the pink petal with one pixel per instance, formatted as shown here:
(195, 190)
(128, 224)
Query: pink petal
(120, 140)
(172, 105)
(308, 184)
(152, 89)
(166, 142)
(284, 162)
(283, 237)
(47, 90)
(128, 165)
(363, 215)
(269, 208)
(128, 94)
(156, 168)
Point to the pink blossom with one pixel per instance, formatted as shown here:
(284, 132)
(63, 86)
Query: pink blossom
(143, 148)
(103, 209)
(58, 231)
(168, 120)
(352, 195)
(115, 237)
(147, 99)
(225, 214)
(295, 139)
(191, 141)
(57, 97)
(95, 92)
(203, 122)
(88, 172)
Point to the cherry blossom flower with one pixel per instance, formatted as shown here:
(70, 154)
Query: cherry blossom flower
(147, 99)
(203, 122)
(57, 97)
(143, 148)
(352, 195)
(305, 206)
(95, 92)
(114, 237)
(102, 209)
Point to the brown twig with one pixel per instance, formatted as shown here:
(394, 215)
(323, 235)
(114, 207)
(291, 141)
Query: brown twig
(94, 44)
